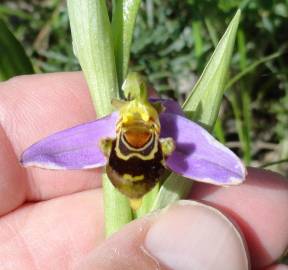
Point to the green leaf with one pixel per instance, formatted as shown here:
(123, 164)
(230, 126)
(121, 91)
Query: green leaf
(247, 124)
(13, 59)
(123, 22)
(203, 103)
(248, 69)
(243, 115)
(12, 11)
(203, 106)
(196, 30)
(218, 131)
(211, 31)
(92, 44)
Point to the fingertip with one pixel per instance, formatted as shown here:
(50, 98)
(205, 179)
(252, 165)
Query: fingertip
(12, 177)
(35, 106)
(259, 207)
(191, 235)
(184, 236)
(57, 231)
(122, 250)
(277, 267)
(30, 106)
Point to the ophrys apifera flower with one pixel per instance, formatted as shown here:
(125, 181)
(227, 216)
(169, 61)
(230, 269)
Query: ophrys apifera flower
(137, 143)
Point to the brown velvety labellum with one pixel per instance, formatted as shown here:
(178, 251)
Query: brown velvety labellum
(135, 176)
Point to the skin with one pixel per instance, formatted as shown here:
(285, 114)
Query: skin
(54, 219)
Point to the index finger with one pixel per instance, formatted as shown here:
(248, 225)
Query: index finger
(32, 107)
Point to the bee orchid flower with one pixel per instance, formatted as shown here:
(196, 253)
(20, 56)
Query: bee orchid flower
(136, 144)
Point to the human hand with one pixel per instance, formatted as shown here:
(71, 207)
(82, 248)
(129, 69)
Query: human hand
(54, 219)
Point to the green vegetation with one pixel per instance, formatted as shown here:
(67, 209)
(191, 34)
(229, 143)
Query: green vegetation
(172, 42)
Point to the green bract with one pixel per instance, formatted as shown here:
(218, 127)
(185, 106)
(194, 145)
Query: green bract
(92, 44)
(202, 106)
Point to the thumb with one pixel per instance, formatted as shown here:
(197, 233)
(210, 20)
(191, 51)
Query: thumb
(187, 235)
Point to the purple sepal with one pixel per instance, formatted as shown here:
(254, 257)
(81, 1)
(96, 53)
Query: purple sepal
(198, 155)
(73, 148)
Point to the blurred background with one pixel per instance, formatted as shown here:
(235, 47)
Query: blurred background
(172, 42)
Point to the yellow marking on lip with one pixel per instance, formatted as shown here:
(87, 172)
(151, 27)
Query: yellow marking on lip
(136, 178)
(138, 154)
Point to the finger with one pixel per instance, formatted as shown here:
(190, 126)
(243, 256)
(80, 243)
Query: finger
(277, 267)
(32, 107)
(52, 234)
(12, 188)
(202, 238)
(259, 206)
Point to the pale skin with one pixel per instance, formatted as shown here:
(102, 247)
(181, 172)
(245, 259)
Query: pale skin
(54, 219)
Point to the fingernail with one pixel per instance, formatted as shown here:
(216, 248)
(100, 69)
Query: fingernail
(191, 235)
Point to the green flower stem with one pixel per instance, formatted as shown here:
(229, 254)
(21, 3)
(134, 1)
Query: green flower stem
(92, 44)
(123, 22)
(147, 202)
(117, 208)
(203, 106)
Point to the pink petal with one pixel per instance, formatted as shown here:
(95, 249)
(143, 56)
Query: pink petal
(198, 155)
(73, 148)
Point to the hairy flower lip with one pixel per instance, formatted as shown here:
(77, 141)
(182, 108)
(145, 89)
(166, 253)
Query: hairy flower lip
(197, 156)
